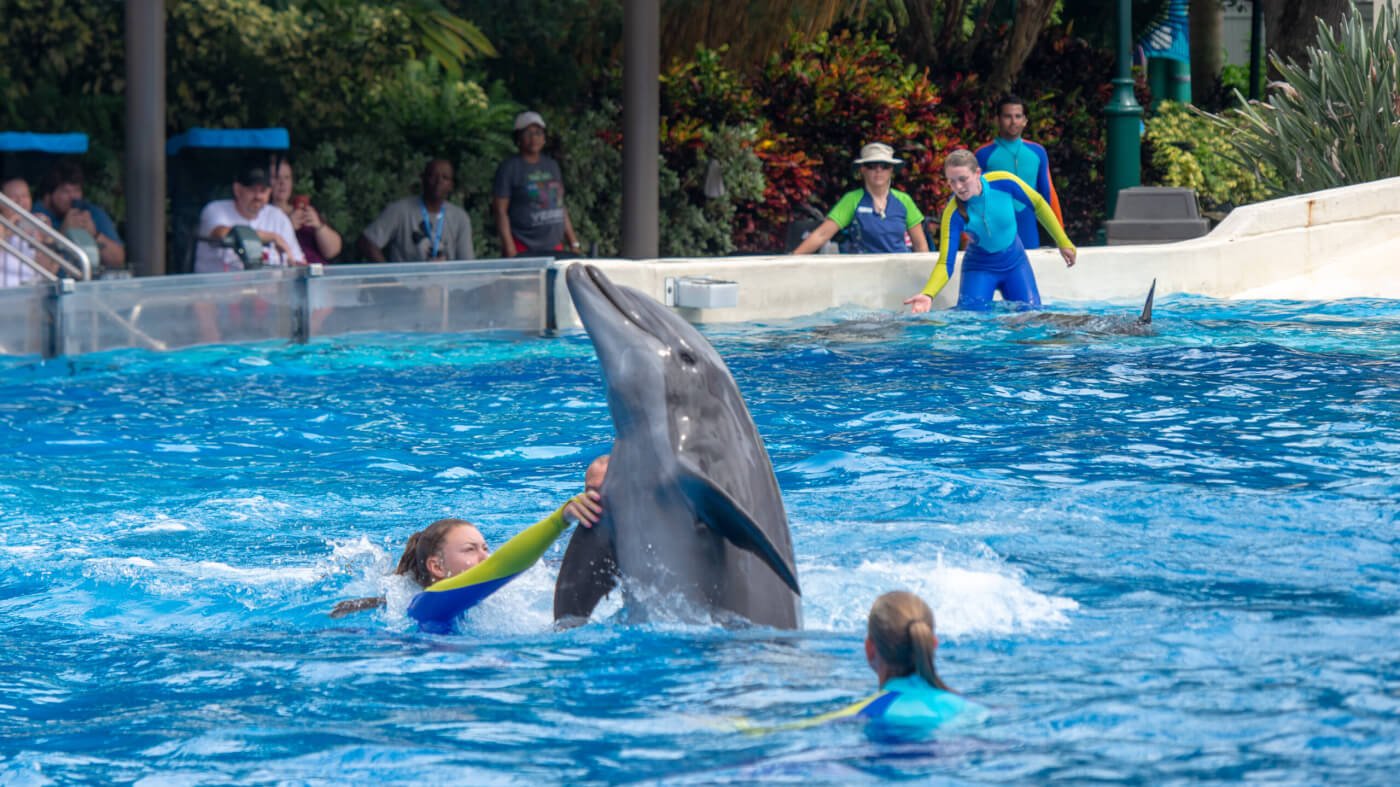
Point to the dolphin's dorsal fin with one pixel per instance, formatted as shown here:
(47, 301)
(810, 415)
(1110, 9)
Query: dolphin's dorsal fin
(587, 575)
(727, 517)
(1146, 317)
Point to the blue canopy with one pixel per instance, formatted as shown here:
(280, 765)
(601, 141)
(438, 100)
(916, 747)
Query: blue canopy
(1169, 36)
(14, 141)
(245, 138)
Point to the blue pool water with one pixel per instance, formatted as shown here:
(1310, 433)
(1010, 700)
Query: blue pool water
(1157, 559)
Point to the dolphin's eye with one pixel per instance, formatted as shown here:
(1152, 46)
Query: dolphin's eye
(687, 357)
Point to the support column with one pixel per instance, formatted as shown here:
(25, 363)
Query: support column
(641, 128)
(1123, 161)
(145, 137)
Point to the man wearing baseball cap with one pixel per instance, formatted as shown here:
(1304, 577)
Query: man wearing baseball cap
(527, 197)
(250, 206)
(883, 220)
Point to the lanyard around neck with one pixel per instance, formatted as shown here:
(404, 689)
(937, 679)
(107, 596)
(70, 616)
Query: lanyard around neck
(434, 233)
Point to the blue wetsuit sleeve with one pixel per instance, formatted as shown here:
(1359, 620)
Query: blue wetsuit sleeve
(949, 237)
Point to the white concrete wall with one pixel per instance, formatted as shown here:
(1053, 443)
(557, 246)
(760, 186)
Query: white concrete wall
(1341, 243)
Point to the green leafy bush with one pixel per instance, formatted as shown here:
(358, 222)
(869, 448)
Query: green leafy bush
(1333, 121)
(344, 78)
(1188, 150)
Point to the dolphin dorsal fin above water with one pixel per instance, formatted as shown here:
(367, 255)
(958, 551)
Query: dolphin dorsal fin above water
(1146, 317)
(728, 518)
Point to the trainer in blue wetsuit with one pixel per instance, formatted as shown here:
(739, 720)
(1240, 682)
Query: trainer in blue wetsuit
(1009, 152)
(882, 220)
(449, 559)
(899, 646)
(984, 208)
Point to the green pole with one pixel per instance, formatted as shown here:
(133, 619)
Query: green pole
(1157, 76)
(1123, 162)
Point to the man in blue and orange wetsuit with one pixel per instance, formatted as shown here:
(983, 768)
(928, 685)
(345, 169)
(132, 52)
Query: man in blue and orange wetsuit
(984, 207)
(1009, 152)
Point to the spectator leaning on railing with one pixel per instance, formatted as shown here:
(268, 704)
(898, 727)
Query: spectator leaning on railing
(422, 228)
(319, 240)
(249, 206)
(13, 272)
(61, 200)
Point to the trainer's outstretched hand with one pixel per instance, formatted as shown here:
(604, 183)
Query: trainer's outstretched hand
(1069, 254)
(921, 303)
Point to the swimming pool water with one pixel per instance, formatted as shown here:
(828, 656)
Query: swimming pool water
(1157, 559)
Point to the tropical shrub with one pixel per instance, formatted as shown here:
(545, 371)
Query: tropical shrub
(1188, 150)
(1333, 121)
(821, 102)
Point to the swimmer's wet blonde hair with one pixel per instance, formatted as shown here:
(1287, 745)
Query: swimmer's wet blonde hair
(901, 626)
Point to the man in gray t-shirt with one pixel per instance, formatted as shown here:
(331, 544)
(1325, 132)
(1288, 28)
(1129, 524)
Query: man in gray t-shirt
(422, 228)
(527, 196)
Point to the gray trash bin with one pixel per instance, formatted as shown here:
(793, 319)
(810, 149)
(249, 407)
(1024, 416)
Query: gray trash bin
(1155, 214)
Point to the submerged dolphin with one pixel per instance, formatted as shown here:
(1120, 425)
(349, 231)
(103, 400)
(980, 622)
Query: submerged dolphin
(1097, 324)
(692, 520)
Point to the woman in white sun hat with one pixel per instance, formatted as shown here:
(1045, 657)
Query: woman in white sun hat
(885, 220)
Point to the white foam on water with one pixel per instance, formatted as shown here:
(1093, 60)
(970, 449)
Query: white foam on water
(170, 576)
(974, 597)
(395, 466)
(534, 452)
(177, 448)
(457, 472)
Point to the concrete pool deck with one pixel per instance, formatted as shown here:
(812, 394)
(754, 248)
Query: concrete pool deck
(1328, 245)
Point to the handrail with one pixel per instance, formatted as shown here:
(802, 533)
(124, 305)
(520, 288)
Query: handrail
(84, 273)
(28, 261)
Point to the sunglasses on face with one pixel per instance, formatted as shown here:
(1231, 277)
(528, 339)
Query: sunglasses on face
(878, 165)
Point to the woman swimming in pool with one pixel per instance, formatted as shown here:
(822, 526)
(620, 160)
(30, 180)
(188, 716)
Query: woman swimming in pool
(899, 646)
(984, 207)
(449, 559)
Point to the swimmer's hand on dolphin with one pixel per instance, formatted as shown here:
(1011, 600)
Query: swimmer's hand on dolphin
(584, 508)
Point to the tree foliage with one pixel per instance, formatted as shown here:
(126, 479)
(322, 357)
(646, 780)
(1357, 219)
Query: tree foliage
(1332, 121)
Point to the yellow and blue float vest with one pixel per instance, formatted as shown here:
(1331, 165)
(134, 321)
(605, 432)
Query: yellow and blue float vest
(909, 701)
(439, 605)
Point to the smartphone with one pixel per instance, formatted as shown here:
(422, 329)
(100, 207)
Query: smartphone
(300, 201)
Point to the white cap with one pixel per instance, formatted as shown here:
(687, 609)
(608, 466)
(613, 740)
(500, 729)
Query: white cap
(877, 151)
(527, 119)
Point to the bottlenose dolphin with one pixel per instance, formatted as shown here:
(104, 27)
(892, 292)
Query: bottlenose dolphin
(1094, 324)
(693, 522)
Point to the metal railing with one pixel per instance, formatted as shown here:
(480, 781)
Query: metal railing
(67, 317)
(82, 271)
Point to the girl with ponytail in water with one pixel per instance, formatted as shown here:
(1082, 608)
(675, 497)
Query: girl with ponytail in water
(899, 645)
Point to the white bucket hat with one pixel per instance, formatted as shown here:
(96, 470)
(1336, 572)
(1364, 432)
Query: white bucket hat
(878, 152)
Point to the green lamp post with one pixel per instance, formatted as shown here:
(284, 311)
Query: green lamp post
(1123, 162)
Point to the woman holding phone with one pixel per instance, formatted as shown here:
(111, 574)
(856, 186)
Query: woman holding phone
(317, 238)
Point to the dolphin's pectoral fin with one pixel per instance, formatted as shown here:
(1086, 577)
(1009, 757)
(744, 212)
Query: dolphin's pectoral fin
(588, 574)
(728, 518)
